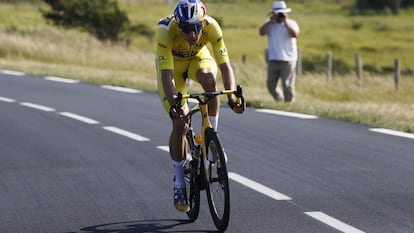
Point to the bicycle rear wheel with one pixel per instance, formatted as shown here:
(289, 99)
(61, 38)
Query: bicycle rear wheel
(191, 181)
(218, 191)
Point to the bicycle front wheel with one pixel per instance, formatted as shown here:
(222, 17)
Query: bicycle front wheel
(193, 190)
(218, 191)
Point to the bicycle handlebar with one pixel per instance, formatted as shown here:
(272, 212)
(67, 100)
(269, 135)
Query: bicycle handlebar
(209, 95)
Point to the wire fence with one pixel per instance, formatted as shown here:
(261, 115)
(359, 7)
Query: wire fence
(329, 64)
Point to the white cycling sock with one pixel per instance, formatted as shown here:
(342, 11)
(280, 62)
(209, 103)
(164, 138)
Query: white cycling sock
(214, 121)
(179, 174)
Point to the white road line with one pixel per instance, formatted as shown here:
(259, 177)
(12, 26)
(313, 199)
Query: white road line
(333, 222)
(258, 187)
(121, 89)
(288, 114)
(164, 148)
(392, 132)
(79, 118)
(11, 72)
(126, 133)
(37, 106)
(62, 80)
(8, 100)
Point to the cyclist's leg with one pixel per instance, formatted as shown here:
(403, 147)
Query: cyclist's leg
(203, 69)
(179, 126)
(177, 141)
(177, 144)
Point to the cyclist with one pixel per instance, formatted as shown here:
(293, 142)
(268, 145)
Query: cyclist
(182, 54)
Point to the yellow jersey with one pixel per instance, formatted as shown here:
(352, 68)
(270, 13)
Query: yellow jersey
(171, 44)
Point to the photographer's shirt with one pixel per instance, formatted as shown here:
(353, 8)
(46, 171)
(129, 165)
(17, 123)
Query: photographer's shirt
(282, 46)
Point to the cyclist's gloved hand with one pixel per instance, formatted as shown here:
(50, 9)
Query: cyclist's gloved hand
(237, 108)
(176, 113)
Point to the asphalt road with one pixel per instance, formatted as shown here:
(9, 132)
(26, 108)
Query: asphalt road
(83, 158)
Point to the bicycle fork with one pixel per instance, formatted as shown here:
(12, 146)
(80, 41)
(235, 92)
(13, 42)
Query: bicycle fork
(195, 157)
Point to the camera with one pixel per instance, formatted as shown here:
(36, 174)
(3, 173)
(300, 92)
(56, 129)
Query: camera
(281, 15)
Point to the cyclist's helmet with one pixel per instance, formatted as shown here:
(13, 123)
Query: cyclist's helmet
(189, 12)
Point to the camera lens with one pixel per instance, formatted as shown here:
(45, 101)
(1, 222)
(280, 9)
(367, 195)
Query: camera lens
(281, 15)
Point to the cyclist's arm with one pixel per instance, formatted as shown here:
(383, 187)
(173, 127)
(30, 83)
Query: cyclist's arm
(229, 84)
(167, 77)
(222, 58)
(228, 76)
(220, 54)
(165, 58)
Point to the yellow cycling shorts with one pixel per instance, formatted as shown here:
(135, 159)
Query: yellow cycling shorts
(184, 69)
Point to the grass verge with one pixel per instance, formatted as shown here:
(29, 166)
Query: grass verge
(28, 44)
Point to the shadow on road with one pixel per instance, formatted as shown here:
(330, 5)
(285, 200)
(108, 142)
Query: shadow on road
(160, 226)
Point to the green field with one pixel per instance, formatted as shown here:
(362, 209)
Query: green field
(28, 44)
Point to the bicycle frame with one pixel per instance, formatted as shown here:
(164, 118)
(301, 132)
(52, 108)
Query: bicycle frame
(203, 107)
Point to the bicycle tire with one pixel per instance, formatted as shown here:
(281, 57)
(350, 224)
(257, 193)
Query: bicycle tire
(191, 180)
(218, 190)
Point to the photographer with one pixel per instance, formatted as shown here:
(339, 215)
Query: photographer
(282, 51)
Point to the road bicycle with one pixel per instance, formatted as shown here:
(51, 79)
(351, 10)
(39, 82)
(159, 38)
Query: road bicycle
(205, 167)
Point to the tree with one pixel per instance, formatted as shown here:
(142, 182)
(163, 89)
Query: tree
(103, 18)
(395, 6)
(381, 5)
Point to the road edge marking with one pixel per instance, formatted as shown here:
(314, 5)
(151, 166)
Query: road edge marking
(392, 132)
(288, 114)
(12, 72)
(258, 187)
(333, 222)
(61, 80)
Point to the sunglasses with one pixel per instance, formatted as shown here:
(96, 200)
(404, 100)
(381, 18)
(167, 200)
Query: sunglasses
(187, 28)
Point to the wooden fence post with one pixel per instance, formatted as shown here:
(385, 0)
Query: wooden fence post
(329, 66)
(16, 8)
(244, 58)
(359, 71)
(397, 74)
